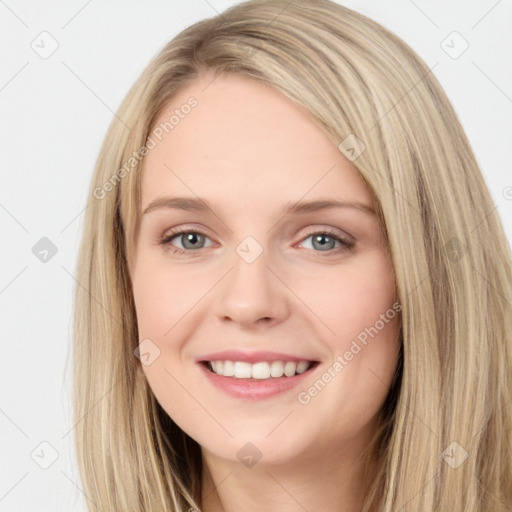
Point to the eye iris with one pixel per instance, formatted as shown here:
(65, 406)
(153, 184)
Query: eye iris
(192, 238)
(320, 238)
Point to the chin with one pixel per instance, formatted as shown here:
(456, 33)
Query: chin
(251, 447)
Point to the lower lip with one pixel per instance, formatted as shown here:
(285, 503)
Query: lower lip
(254, 389)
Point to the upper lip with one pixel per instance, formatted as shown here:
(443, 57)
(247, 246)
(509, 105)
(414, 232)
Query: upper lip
(251, 357)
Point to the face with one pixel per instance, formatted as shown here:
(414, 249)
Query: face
(229, 274)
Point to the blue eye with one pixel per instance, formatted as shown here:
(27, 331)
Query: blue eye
(320, 237)
(193, 241)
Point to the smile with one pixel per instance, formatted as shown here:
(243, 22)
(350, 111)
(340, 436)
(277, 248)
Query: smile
(255, 381)
(259, 371)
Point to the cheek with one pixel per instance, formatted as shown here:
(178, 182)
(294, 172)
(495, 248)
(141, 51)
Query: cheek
(163, 297)
(360, 323)
(351, 299)
(163, 302)
(169, 305)
(359, 326)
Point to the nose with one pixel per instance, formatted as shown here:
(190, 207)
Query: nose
(252, 294)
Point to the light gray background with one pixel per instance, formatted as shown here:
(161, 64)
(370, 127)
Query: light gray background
(55, 112)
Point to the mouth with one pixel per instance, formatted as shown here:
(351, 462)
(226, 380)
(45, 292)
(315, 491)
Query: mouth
(259, 371)
(256, 375)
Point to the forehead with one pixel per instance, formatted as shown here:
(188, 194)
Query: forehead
(244, 139)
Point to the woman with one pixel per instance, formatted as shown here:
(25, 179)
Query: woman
(264, 368)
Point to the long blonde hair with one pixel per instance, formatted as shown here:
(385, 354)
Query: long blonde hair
(447, 441)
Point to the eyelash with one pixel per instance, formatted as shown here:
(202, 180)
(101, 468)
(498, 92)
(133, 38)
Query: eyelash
(166, 241)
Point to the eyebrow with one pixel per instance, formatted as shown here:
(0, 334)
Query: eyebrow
(298, 207)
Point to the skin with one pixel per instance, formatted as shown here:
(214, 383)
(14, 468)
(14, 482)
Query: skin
(248, 150)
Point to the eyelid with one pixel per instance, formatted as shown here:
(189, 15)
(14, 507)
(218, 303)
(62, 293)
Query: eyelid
(331, 230)
(181, 229)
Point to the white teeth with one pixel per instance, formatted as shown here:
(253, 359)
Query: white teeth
(276, 369)
(229, 369)
(289, 369)
(261, 371)
(302, 366)
(242, 370)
